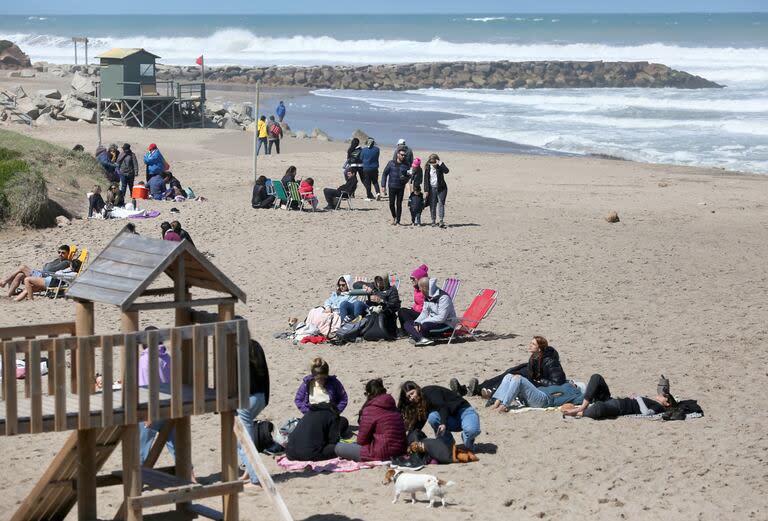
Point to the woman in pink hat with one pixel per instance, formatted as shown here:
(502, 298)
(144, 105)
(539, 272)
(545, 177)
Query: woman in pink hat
(410, 314)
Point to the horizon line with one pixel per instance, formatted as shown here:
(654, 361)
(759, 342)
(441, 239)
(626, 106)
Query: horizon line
(411, 14)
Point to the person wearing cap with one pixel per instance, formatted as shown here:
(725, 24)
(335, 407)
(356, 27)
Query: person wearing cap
(408, 152)
(435, 189)
(155, 162)
(370, 176)
(128, 166)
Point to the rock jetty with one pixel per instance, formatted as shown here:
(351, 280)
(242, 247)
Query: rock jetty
(454, 75)
(11, 57)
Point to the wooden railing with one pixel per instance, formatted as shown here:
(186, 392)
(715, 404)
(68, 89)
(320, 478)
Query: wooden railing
(205, 377)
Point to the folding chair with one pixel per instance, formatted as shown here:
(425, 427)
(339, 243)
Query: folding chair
(481, 307)
(451, 286)
(270, 187)
(293, 191)
(281, 196)
(63, 285)
(343, 196)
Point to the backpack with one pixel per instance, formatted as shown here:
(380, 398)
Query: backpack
(349, 331)
(380, 326)
(275, 130)
(262, 435)
(190, 193)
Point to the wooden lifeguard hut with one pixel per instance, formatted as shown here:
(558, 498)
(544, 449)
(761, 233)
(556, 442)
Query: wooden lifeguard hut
(209, 373)
(130, 91)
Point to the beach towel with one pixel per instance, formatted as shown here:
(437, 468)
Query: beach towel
(518, 410)
(146, 214)
(124, 213)
(658, 417)
(330, 465)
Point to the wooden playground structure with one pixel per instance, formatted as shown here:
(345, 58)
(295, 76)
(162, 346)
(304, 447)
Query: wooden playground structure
(209, 373)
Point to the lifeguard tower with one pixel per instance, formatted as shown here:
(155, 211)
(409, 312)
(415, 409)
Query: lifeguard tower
(209, 373)
(131, 92)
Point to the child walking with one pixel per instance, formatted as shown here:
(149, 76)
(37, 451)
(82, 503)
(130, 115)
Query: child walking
(416, 205)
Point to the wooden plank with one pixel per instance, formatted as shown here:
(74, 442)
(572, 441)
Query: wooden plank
(9, 385)
(177, 402)
(197, 258)
(109, 268)
(110, 282)
(54, 329)
(130, 390)
(86, 472)
(156, 292)
(205, 284)
(107, 377)
(267, 484)
(146, 259)
(27, 366)
(51, 363)
(60, 380)
(36, 392)
(84, 379)
(142, 244)
(220, 379)
(229, 466)
(131, 468)
(243, 365)
(153, 406)
(91, 291)
(206, 512)
(188, 493)
(149, 306)
(200, 357)
(157, 445)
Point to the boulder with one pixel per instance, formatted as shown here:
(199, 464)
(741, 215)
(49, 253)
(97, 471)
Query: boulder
(612, 217)
(320, 135)
(362, 136)
(301, 134)
(44, 120)
(49, 93)
(62, 221)
(82, 84)
(11, 57)
(79, 113)
(230, 124)
(14, 74)
(27, 73)
(215, 108)
(28, 107)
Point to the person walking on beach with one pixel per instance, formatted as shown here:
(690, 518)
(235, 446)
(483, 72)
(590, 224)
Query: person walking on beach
(435, 188)
(408, 152)
(274, 134)
(261, 129)
(354, 159)
(280, 111)
(395, 177)
(370, 175)
(128, 167)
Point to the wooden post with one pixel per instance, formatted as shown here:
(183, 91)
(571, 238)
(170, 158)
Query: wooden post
(84, 326)
(183, 425)
(129, 322)
(86, 474)
(229, 465)
(131, 470)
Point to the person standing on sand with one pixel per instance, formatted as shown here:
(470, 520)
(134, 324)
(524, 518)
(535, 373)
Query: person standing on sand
(354, 159)
(395, 178)
(435, 189)
(261, 129)
(408, 152)
(280, 111)
(370, 176)
(155, 162)
(128, 167)
(274, 134)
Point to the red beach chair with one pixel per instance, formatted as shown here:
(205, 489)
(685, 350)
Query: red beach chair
(481, 307)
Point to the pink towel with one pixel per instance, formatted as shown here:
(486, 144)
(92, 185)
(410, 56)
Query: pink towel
(330, 465)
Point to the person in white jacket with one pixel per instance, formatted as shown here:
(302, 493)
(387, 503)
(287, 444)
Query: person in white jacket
(438, 313)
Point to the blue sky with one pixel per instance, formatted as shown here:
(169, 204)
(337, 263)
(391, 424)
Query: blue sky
(355, 6)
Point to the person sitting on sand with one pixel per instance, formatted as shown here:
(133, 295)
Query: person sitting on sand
(172, 186)
(259, 197)
(182, 233)
(345, 191)
(598, 403)
(315, 436)
(380, 293)
(156, 187)
(438, 313)
(96, 203)
(320, 387)
(412, 313)
(442, 408)
(33, 284)
(106, 161)
(113, 196)
(542, 369)
(17, 276)
(307, 191)
(515, 387)
(381, 435)
(155, 162)
(167, 232)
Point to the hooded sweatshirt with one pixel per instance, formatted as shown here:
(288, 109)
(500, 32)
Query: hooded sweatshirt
(154, 161)
(382, 432)
(418, 296)
(370, 157)
(438, 307)
(336, 298)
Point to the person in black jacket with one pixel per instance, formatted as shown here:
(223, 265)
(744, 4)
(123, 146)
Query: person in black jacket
(445, 410)
(382, 294)
(96, 202)
(394, 178)
(128, 167)
(435, 189)
(317, 433)
(355, 159)
(258, 399)
(331, 194)
(542, 369)
(259, 197)
(598, 403)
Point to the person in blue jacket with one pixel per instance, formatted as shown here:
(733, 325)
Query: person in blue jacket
(395, 178)
(156, 187)
(280, 111)
(370, 175)
(154, 160)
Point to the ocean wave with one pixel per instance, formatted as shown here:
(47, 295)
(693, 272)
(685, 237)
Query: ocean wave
(242, 47)
(487, 19)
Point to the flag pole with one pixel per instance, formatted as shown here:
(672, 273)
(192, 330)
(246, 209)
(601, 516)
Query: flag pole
(256, 130)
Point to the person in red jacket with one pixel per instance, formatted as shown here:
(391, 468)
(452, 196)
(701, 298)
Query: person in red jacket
(381, 435)
(307, 191)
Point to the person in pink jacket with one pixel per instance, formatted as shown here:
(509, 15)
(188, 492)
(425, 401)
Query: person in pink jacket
(412, 313)
(381, 435)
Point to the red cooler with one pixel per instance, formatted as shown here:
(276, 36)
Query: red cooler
(140, 192)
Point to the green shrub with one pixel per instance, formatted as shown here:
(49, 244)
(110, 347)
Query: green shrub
(27, 196)
(7, 153)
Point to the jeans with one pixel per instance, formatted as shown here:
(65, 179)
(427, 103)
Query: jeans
(425, 329)
(256, 404)
(396, 202)
(514, 386)
(350, 451)
(597, 389)
(276, 143)
(351, 309)
(126, 181)
(466, 421)
(437, 203)
(370, 178)
(331, 196)
(262, 141)
(147, 437)
(416, 217)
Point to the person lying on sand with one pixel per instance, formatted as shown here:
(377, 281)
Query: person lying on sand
(598, 403)
(17, 276)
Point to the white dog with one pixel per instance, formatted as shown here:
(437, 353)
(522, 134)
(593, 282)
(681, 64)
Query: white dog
(407, 482)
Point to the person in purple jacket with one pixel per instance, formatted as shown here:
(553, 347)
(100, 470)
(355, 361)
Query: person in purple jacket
(148, 430)
(320, 387)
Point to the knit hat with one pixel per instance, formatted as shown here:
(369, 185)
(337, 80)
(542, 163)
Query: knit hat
(152, 146)
(420, 272)
(416, 163)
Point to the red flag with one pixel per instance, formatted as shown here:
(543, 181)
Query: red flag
(199, 60)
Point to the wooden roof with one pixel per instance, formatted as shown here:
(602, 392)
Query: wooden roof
(130, 263)
(119, 53)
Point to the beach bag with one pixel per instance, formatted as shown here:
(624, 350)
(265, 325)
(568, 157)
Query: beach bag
(190, 193)
(380, 326)
(349, 331)
(262, 435)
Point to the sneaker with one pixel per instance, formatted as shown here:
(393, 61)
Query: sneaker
(442, 224)
(424, 342)
(378, 197)
(456, 387)
(434, 223)
(472, 387)
(368, 199)
(328, 207)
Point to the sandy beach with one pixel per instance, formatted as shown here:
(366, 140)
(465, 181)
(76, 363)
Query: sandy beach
(677, 287)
